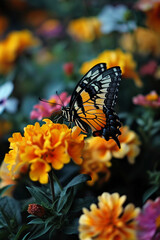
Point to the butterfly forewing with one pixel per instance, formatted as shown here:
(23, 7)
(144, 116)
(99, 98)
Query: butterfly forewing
(86, 79)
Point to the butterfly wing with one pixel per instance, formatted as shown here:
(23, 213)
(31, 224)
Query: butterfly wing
(93, 100)
(91, 75)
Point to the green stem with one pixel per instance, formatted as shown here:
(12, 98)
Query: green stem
(51, 184)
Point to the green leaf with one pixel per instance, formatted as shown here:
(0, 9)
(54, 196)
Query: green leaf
(20, 231)
(67, 195)
(140, 122)
(149, 192)
(2, 190)
(64, 196)
(10, 210)
(39, 232)
(77, 180)
(26, 236)
(36, 221)
(39, 196)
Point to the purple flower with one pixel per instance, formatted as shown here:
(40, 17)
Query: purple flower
(149, 221)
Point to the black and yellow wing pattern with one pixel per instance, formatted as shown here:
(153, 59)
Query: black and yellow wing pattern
(93, 100)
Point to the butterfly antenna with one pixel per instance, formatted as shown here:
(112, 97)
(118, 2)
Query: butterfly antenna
(59, 98)
(43, 100)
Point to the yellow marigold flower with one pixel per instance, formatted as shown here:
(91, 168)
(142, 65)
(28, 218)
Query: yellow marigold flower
(143, 40)
(98, 152)
(43, 147)
(6, 179)
(85, 29)
(109, 221)
(115, 58)
(11, 47)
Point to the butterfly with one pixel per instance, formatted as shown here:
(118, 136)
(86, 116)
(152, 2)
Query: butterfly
(93, 100)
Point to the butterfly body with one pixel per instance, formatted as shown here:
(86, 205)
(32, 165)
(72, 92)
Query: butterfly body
(92, 102)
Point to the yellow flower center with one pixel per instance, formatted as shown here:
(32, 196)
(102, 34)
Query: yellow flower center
(52, 101)
(158, 221)
(152, 97)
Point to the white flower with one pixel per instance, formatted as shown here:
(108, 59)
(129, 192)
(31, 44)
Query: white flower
(10, 104)
(114, 19)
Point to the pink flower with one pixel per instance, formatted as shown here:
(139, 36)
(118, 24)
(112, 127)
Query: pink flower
(150, 100)
(45, 109)
(149, 68)
(149, 221)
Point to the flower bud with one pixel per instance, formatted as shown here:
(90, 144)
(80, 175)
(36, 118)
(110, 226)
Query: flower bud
(36, 210)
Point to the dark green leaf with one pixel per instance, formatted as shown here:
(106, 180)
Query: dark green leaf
(40, 232)
(20, 231)
(77, 180)
(26, 236)
(149, 192)
(2, 190)
(36, 221)
(64, 196)
(11, 208)
(39, 196)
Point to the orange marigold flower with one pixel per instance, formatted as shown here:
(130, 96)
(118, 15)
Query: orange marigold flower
(43, 147)
(98, 152)
(143, 40)
(109, 220)
(85, 29)
(11, 47)
(115, 58)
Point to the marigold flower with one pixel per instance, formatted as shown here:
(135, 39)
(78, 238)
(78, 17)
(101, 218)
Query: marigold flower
(148, 221)
(36, 210)
(98, 152)
(109, 220)
(43, 147)
(85, 29)
(142, 40)
(150, 100)
(3, 24)
(45, 109)
(115, 58)
(14, 45)
(6, 179)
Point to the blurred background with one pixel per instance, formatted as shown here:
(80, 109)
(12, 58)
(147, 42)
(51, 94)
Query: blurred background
(48, 45)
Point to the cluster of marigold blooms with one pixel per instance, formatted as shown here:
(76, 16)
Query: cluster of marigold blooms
(12, 46)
